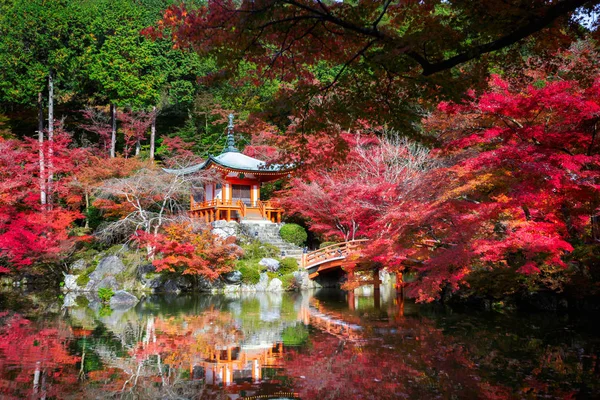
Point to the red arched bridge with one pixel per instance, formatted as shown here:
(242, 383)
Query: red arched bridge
(333, 258)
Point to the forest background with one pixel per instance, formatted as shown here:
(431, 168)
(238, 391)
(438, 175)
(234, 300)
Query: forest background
(461, 138)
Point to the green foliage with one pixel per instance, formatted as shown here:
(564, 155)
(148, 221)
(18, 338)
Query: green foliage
(288, 265)
(269, 188)
(257, 250)
(105, 294)
(82, 301)
(295, 335)
(325, 244)
(288, 281)
(250, 274)
(105, 311)
(293, 233)
(94, 217)
(84, 277)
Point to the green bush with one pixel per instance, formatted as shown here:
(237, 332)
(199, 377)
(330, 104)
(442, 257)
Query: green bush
(288, 281)
(293, 233)
(94, 217)
(105, 294)
(288, 265)
(250, 276)
(257, 250)
(325, 244)
(83, 279)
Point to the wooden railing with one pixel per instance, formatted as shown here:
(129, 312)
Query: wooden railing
(335, 251)
(211, 204)
(242, 207)
(261, 208)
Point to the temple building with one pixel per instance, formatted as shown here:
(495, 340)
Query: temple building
(237, 194)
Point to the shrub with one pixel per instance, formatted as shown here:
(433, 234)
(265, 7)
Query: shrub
(293, 233)
(250, 276)
(83, 279)
(105, 294)
(325, 244)
(288, 265)
(257, 250)
(288, 281)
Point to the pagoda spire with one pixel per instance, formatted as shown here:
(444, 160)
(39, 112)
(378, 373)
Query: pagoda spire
(230, 148)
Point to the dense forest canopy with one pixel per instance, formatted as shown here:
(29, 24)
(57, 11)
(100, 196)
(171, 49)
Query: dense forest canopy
(459, 136)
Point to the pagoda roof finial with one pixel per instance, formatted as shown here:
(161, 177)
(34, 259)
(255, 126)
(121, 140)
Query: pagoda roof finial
(230, 147)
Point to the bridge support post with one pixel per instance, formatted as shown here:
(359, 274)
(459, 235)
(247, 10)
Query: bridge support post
(399, 285)
(351, 299)
(400, 293)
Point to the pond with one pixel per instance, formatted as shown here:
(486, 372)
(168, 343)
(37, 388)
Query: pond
(308, 345)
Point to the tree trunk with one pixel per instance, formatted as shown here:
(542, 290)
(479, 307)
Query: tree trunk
(40, 105)
(113, 122)
(153, 133)
(50, 136)
(138, 147)
(87, 209)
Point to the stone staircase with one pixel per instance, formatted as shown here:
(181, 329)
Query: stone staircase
(253, 214)
(268, 232)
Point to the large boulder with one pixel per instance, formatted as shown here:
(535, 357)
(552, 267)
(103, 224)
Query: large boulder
(275, 286)
(110, 282)
(233, 277)
(225, 229)
(111, 265)
(71, 283)
(176, 285)
(79, 265)
(303, 282)
(122, 299)
(148, 277)
(263, 283)
(271, 264)
(145, 269)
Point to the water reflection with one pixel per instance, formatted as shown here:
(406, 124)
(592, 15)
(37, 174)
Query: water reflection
(321, 345)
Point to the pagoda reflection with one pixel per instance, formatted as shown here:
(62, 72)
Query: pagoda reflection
(226, 365)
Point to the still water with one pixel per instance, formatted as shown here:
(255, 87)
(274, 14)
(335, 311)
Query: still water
(311, 345)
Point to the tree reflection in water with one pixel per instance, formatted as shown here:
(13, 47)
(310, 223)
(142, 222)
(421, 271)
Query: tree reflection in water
(293, 345)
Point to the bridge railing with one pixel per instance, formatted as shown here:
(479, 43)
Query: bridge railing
(338, 250)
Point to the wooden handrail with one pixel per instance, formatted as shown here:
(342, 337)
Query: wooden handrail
(242, 207)
(212, 203)
(261, 208)
(333, 251)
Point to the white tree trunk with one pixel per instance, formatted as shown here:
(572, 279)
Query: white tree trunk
(153, 133)
(50, 136)
(113, 138)
(43, 199)
(138, 148)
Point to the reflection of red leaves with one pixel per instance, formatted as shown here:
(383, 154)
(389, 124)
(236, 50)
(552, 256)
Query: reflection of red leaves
(24, 348)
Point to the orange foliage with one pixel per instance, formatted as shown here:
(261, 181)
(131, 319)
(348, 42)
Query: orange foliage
(181, 249)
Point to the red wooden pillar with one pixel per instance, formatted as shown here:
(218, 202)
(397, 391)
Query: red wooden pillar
(228, 215)
(351, 299)
(399, 285)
